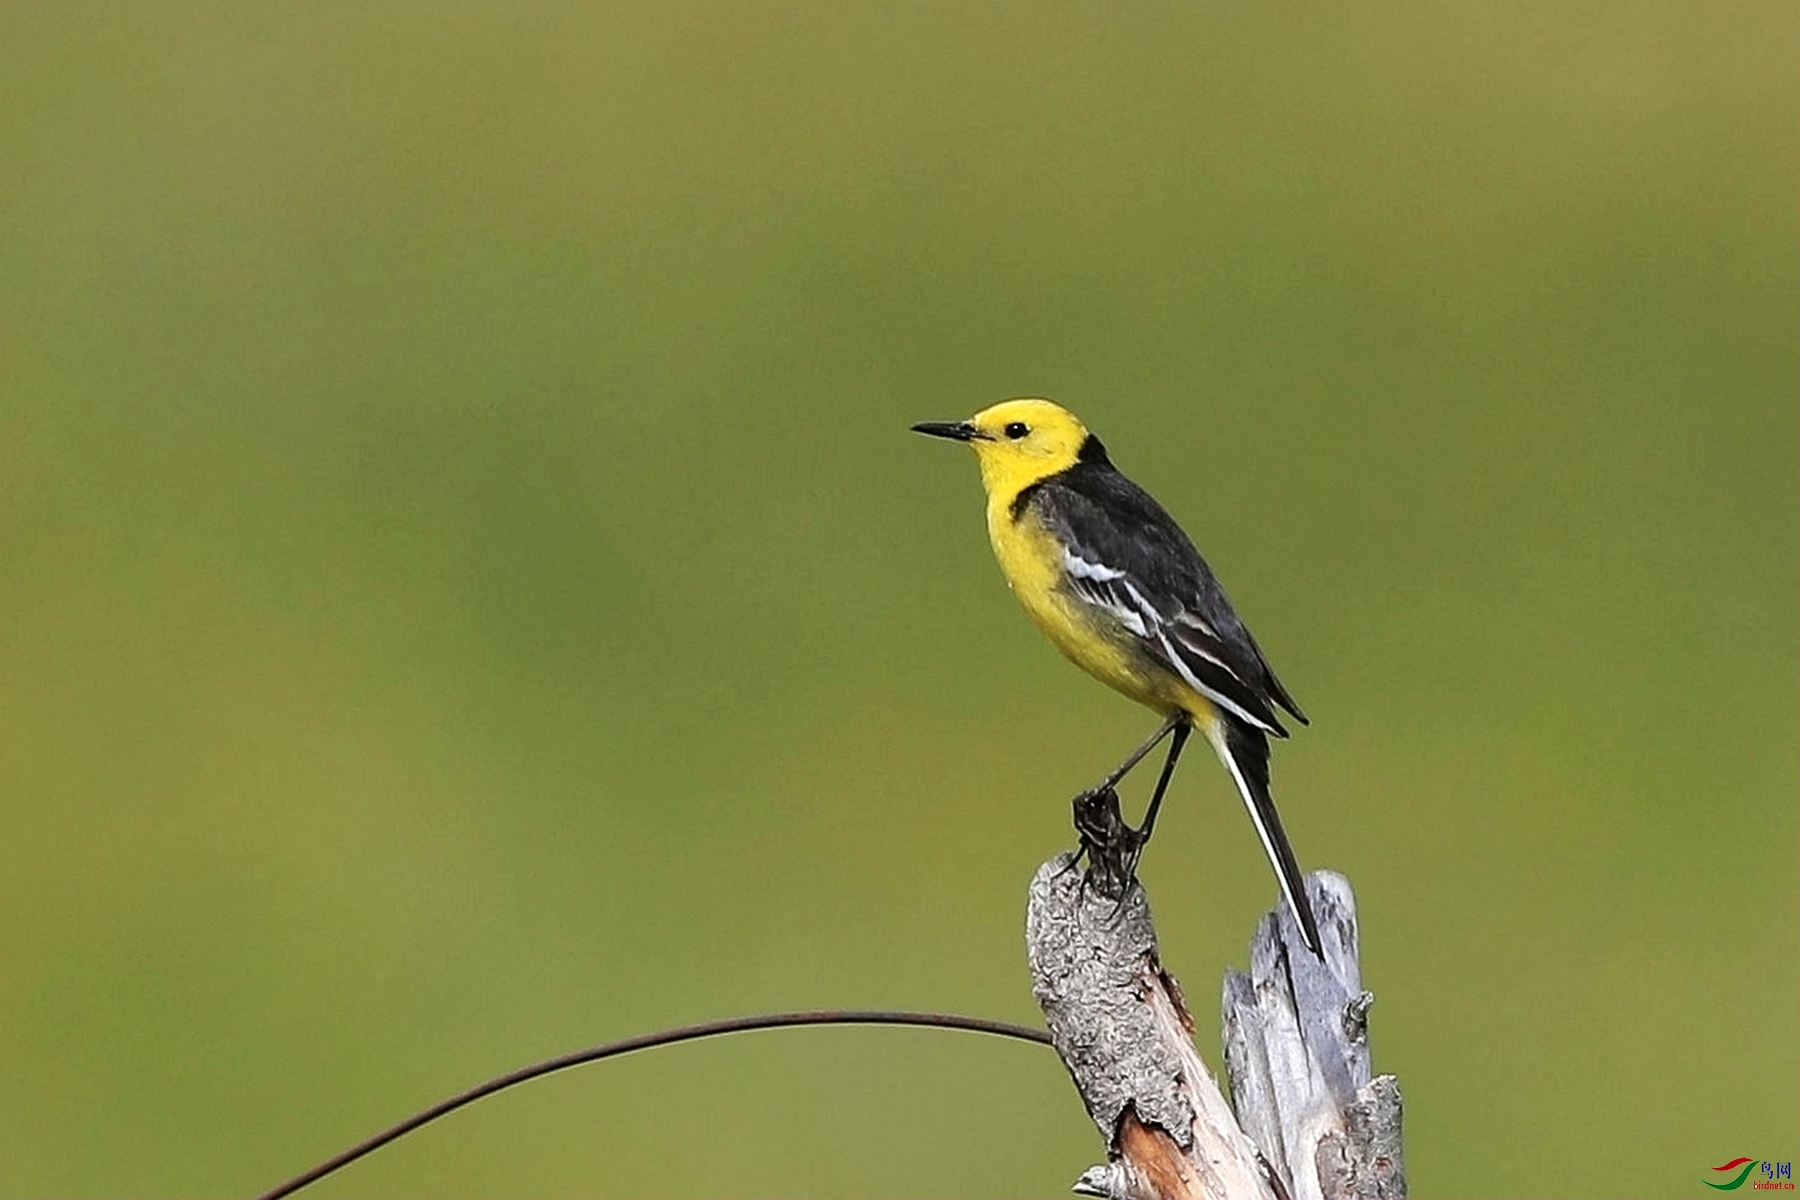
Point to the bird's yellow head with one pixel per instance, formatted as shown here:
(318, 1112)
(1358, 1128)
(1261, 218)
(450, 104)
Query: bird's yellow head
(1019, 442)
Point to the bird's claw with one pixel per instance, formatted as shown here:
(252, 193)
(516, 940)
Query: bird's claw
(1111, 847)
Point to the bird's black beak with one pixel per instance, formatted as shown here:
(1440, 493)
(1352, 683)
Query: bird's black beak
(956, 431)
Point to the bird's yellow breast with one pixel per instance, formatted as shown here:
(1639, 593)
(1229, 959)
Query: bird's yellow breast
(1031, 560)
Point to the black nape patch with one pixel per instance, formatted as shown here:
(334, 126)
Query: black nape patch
(1092, 451)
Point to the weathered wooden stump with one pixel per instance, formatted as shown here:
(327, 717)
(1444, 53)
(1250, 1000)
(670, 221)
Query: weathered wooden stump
(1310, 1124)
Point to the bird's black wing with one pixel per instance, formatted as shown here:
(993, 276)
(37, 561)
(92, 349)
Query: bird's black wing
(1123, 554)
(1126, 555)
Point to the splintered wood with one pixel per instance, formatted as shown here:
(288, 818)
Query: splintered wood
(1297, 1053)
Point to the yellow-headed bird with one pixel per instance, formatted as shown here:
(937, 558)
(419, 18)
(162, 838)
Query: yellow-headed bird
(1106, 573)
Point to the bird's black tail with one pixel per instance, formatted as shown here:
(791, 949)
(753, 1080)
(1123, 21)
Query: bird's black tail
(1245, 752)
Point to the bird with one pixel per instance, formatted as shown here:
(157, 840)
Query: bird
(1106, 573)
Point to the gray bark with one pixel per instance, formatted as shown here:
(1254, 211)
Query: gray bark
(1123, 1032)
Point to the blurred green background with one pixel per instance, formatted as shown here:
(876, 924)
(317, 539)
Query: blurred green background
(469, 591)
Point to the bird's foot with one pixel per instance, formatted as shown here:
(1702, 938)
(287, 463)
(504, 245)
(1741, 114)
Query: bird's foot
(1111, 847)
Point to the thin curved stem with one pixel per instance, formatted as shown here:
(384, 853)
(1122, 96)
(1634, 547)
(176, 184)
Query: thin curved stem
(646, 1041)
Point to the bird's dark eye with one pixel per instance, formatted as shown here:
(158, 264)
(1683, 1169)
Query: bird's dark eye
(1016, 430)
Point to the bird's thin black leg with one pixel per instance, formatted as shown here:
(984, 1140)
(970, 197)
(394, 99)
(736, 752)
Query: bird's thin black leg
(1162, 783)
(1110, 845)
(1140, 837)
(1176, 721)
